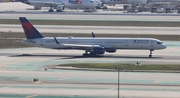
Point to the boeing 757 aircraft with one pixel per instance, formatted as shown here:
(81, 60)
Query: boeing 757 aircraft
(92, 46)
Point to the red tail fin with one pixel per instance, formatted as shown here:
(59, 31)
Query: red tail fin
(30, 31)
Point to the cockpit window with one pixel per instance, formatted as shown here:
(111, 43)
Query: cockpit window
(159, 42)
(92, 1)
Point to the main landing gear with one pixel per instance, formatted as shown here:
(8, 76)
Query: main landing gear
(150, 55)
(89, 54)
(51, 9)
(58, 10)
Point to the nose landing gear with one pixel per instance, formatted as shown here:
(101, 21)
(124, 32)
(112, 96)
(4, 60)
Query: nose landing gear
(150, 55)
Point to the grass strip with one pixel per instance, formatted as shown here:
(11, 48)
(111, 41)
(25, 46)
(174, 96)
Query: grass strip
(125, 66)
(95, 23)
(11, 43)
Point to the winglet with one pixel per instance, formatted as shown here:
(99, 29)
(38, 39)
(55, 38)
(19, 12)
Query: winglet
(93, 35)
(56, 40)
(30, 31)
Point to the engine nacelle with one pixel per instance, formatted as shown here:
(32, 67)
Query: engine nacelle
(110, 50)
(60, 7)
(98, 50)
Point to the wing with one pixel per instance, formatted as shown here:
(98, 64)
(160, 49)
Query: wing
(77, 45)
(44, 4)
(81, 46)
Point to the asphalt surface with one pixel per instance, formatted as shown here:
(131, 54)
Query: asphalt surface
(15, 10)
(20, 66)
(96, 29)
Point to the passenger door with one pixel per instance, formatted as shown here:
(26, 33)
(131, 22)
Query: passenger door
(126, 44)
(151, 43)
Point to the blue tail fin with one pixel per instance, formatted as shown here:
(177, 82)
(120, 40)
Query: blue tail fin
(29, 29)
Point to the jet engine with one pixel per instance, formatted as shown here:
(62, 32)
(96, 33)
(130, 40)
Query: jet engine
(110, 50)
(98, 50)
(59, 8)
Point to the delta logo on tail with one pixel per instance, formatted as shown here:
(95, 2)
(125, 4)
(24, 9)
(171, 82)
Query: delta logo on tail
(28, 29)
(75, 2)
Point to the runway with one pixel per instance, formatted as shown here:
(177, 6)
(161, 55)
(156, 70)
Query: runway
(96, 29)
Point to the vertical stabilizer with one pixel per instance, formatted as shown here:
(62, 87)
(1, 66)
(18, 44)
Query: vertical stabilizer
(30, 31)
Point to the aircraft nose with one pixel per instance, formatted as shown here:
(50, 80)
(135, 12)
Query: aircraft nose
(164, 46)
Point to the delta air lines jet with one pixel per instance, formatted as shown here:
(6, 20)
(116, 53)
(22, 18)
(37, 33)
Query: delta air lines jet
(93, 46)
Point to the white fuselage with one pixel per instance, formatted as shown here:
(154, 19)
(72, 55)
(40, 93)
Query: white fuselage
(107, 43)
(163, 0)
(124, 1)
(72, 4)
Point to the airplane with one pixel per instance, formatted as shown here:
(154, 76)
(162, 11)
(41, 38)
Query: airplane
(60, 5)
(93, 46)
(163, 1)
(113, 2)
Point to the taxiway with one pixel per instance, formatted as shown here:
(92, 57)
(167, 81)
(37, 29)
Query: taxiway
(20, 66)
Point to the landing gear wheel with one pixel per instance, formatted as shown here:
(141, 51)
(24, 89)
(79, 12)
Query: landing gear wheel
(51, 10)
(150, 56)
(58, 10)
(85, 55)
(93, 54)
